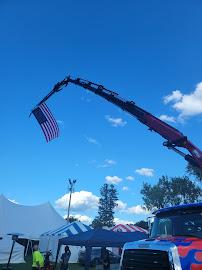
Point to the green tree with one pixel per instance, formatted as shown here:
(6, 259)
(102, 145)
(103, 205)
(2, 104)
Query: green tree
(169, 192)
(72, 219)
(192, 170)
(107, 203)
(143, 224)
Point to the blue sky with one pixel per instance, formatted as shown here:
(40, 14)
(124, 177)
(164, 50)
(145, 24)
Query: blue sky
(144, 50)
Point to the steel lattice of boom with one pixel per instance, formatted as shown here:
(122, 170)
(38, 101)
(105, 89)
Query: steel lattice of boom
(174, 138)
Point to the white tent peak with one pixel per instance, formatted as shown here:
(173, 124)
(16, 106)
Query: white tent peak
(5, 199)
(31, 221)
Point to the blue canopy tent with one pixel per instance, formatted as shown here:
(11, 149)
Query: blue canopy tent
(49, 240)
(99, 238)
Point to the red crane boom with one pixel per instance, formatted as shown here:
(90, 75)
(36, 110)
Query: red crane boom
(174, 138)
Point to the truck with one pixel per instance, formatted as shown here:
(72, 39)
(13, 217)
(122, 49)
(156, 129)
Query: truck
(175, 241)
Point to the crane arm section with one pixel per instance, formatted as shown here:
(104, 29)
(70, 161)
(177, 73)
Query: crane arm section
(174, 138)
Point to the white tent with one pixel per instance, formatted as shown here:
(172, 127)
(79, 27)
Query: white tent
(30, 221)
(49, 240)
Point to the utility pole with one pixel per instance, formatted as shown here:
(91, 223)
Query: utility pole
(70, 189)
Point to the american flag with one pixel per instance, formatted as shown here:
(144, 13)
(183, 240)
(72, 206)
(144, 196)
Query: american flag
(47, 122)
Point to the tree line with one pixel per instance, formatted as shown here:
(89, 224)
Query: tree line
(168, 191)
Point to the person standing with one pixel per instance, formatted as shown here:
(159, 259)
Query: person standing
(65, 259)
(106, 260)
(38, 260)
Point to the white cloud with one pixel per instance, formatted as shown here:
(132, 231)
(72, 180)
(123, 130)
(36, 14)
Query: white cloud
(121, 206)
(187, 104)
(122, 221)
(113, 179)
(91, 140)
(115, 122)
(107, 163)
(81, 201)
(175, 96)
(167, 118)
(110, 161)
(125, 188)
(145, 172)
(138, 209)
(83, 218)
(130, 178)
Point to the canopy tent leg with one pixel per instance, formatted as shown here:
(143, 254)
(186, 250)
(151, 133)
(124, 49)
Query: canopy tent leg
(57, 255)
(88, 257)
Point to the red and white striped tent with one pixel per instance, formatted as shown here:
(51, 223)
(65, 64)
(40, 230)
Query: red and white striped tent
(128, 228)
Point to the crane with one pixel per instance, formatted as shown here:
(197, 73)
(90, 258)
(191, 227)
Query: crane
(174, 139)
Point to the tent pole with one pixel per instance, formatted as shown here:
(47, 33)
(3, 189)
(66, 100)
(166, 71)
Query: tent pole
(31, 245)
(27, 247)
(88, 257)
(13, 244)
(47, 247)
(14, 238)
(57, 255)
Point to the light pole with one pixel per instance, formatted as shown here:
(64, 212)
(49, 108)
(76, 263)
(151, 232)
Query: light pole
(71, 189)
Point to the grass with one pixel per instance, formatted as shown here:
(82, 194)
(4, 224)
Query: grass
(28, 266)
(20, 266)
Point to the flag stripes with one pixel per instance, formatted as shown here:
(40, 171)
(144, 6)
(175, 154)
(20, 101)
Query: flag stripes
(47, 122)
